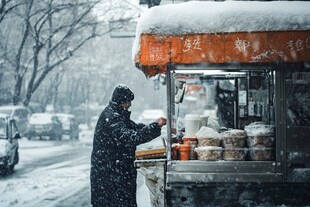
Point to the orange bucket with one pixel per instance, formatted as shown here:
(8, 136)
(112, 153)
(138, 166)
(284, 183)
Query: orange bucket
(192, 141)
(184, 151)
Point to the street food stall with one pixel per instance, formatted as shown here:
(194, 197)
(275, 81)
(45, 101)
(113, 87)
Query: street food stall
(238, 100)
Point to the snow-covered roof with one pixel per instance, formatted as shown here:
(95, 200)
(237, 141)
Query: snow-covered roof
(218, 17)
(40, 118)
(227, 16)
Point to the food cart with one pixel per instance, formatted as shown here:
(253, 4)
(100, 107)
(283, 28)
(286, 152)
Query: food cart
(249, 77)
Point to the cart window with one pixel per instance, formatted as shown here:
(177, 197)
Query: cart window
(298, 101)
(230, 102)
(225, 98)
(2, 128)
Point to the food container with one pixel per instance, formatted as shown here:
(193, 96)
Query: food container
(237, 142)
(260, 141)
(207, 136)
(209, 141)
(209, 153)
(193, 143)
(261, 153)
(256, 129)
(237, 154)
(234, 133)
(234, 138)
(184, 151)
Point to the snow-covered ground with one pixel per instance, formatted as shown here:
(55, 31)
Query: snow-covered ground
(54, 174)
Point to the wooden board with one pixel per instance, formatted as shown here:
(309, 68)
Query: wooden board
(151, 153)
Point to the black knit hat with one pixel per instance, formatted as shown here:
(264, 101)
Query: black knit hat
(122, 94)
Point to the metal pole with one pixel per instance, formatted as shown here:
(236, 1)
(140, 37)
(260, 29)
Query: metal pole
(169, 113)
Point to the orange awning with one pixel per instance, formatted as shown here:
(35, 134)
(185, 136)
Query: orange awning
(244, 47)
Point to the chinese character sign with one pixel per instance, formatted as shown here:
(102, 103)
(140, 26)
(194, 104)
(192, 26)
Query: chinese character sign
(246, 47)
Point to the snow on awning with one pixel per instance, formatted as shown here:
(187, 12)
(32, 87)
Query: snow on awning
(221, 32)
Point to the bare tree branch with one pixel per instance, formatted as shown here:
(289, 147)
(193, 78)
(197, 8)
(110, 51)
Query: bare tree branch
(6, 7)
(52, 45)
(18, 76)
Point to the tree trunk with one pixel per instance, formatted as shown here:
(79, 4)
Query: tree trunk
(17, 89)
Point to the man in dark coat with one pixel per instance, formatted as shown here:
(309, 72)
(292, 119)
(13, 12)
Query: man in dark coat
(113, 175)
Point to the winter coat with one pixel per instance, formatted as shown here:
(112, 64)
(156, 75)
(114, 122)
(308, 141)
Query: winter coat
(113, 175)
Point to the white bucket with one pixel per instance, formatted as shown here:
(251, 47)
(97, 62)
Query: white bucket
(192, 124)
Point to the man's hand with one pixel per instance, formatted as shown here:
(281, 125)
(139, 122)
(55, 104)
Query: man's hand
(161, 121)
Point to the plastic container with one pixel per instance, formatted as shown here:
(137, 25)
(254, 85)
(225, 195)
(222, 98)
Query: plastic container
(234, 133)
(217, 142)
(260, 141)
(184, 151)
(207, 136)
(238, 142)
(209, 153)
(256, 129)
(193, 143)
(192, 124)
(261, 153)
(234, 138)
(235, 154)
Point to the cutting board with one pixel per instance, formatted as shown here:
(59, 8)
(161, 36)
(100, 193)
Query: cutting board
(151, 153)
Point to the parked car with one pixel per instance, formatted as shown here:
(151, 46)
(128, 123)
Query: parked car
(20, 114)
(70, 125)
(44, 124)
(9, 136)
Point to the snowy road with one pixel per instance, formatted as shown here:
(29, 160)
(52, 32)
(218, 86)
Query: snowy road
(54, 174)
(49, 174)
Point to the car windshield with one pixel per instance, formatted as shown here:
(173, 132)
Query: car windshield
(2, 128)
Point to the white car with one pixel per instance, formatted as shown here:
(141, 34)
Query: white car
(20, 114)
(70, 126)
(44, 125)
(9, 136)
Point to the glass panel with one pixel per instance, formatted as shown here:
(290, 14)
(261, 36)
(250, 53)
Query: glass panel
(238, 103)
(2, 128)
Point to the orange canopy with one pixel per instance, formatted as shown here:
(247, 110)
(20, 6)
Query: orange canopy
(244, 47)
